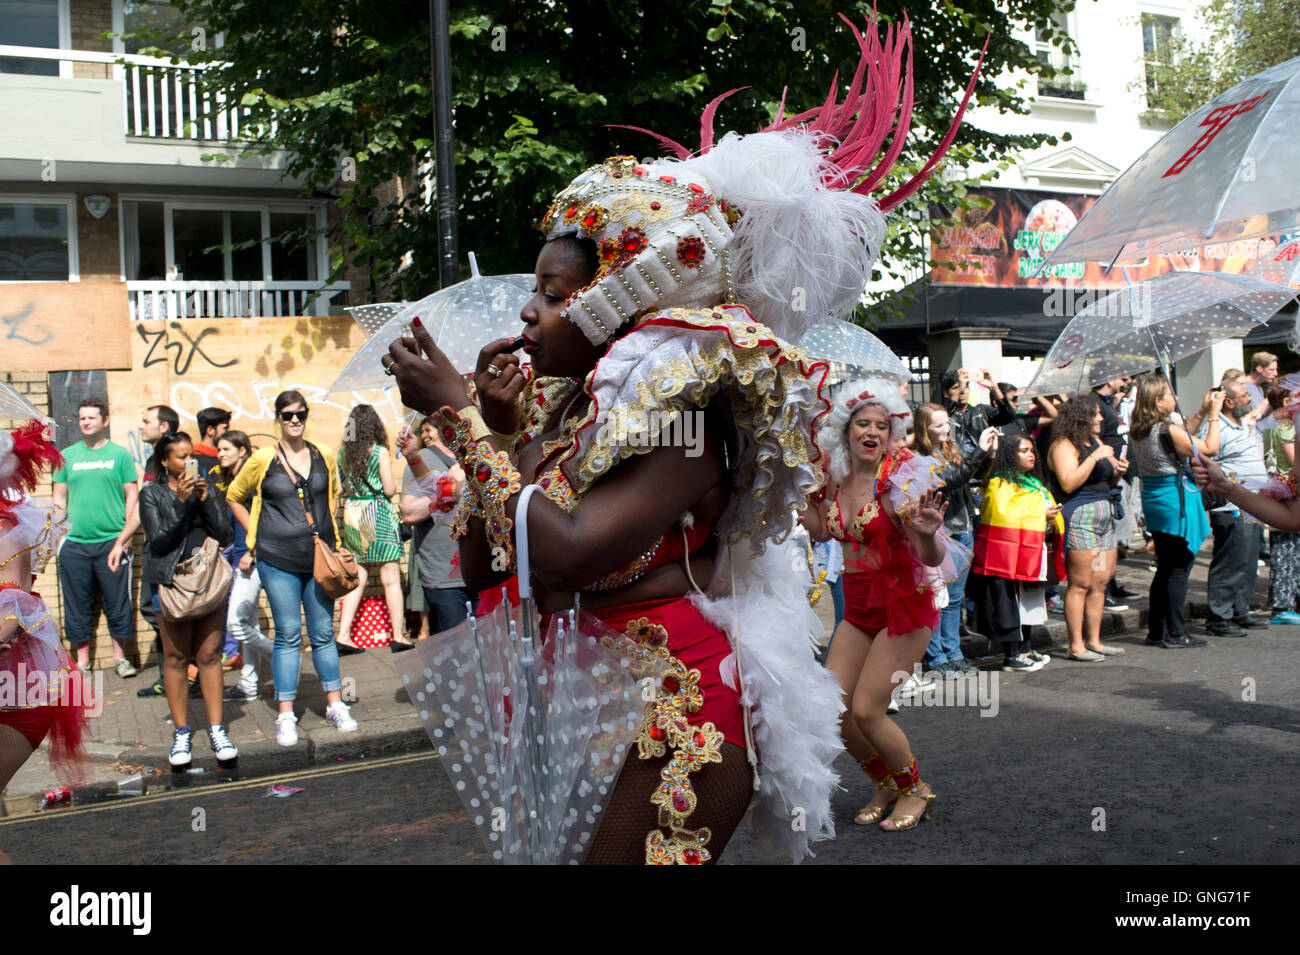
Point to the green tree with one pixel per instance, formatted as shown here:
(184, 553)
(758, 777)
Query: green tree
(1240, 38)
(344, 89)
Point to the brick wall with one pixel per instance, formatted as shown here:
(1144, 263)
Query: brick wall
(99, 241)
(90, 18)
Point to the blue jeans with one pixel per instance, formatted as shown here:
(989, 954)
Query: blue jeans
(289, 594)
(945, 642)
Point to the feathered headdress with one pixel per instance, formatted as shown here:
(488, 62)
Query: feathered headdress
(24, 453)
(781, 220)
(833, 437)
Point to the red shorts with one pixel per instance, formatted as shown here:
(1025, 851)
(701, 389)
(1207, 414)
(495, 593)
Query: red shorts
(905, 611)
(699, 645)
(33, 722)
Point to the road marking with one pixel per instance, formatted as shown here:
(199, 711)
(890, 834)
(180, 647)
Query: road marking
(219, 787)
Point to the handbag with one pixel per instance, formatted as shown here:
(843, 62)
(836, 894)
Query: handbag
(335, 570)
(199, 584)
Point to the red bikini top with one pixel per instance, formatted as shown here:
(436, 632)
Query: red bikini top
(871, 525)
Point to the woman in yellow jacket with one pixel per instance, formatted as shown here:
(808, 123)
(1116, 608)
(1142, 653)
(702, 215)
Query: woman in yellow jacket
(290, 479)
(1010, 552)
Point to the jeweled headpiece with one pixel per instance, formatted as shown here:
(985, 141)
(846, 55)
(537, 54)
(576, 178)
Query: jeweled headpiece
(781, 220)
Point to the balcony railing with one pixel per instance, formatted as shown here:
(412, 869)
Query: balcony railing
(163, 299)
(164, 99)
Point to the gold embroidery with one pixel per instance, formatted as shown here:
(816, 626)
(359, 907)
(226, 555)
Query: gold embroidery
(666, 726)
(753, 368)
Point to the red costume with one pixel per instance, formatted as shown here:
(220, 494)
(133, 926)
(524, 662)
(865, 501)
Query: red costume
(885, 585)
(41, 693)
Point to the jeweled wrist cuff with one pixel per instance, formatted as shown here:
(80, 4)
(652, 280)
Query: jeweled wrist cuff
(459, 429)
(490, 477)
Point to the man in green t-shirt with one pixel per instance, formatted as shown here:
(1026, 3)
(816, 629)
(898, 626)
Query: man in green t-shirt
(98, 485)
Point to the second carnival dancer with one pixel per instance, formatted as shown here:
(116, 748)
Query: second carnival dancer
(888, 511)
(41, 693)
(663, 313)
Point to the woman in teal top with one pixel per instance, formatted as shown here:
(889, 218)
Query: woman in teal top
(1175, 516)
(369, 525)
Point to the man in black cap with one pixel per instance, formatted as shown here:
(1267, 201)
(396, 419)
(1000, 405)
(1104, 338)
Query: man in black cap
(969, 421)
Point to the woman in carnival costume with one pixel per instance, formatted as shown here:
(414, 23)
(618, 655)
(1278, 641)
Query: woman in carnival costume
(41, 693)
(887, 508)
(662, 309)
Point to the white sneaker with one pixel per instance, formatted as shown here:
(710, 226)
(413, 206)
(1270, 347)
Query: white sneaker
(337, 713)
(893, 706)
(914, 685)
(221, 745)
(180, 752)
(286, 729)
(1040, 658)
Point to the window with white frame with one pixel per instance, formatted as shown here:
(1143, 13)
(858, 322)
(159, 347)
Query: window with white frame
(1158, 36)
(35, 245)
(1053, 80)
(33, 23)
(210, 242)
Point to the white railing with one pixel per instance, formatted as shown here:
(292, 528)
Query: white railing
(163, 299)
(164, 99)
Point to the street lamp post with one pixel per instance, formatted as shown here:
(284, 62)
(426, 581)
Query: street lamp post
(443, 143)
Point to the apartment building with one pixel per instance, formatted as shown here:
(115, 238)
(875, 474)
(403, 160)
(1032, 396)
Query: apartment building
(985, 306)
(113, 276)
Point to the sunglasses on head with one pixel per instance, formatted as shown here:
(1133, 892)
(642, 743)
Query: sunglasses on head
(294, 415)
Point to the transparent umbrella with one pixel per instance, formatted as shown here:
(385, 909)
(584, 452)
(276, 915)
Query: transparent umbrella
(1225, 172)
(532, 733)
(15, 406)
(847, 344)
(461, 318)
(1153, 324)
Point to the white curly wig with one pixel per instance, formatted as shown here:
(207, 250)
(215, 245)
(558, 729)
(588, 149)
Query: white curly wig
(833, 439)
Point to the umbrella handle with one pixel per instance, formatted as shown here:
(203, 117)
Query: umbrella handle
(521, 541)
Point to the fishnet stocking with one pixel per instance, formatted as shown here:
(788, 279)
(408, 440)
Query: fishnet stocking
(724, 790)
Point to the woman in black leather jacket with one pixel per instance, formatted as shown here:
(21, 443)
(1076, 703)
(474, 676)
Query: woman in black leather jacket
(934, 436)
(179, 511)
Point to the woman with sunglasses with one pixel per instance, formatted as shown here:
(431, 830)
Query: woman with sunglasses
(292, 478)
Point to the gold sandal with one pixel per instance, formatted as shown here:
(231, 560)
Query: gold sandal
(875, 768)
(909, 784)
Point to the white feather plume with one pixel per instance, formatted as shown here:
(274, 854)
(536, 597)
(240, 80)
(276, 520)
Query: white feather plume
(803, 249)
(796, 702)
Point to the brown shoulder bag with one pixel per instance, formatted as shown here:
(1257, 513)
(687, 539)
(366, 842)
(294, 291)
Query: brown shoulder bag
(335, 570)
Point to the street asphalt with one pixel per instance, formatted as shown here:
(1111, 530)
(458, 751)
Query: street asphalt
(1157, 756)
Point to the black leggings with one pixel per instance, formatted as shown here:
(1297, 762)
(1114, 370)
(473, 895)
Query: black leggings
(1169, 587)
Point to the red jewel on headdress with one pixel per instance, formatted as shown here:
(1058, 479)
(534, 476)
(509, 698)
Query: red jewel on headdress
(639, 170)
(695, 187)
(631, 241)
(699, 204)
(690, 251)
(667, 178)
(654, 205)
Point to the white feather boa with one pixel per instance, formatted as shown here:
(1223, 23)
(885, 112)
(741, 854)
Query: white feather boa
(795, 702)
